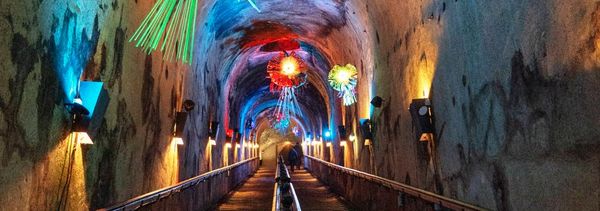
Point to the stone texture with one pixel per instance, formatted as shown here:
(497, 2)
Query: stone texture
(513, 85)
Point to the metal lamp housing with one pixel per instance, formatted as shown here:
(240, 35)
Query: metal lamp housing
(420, 111)
(90, 107)
(180, 119)
(366, 129)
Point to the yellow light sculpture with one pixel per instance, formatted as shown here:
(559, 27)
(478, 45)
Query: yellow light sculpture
(344, 79)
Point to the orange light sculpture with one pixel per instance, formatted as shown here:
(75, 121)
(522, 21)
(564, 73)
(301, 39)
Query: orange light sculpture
(287, 72)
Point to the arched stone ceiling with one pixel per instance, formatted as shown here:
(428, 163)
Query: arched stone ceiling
(234, 36)
(251, 89)
(239, 32)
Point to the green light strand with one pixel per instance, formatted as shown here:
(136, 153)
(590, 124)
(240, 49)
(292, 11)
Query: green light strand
(170, 25)
(253, 5)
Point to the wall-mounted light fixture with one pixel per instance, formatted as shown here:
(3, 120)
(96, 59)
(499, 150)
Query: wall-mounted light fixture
(87, 110)
(328, 144)
(327, 133)
(366, 130)
(237, 135)
(227, 145)
(308, 137)
(352, 138)
(180, 120)
(212, 129)
(212, 142)
(343, 143)
(256, 146)
(78, 113)
(377, 101)
(237, 145)
(420, 111)
(342, 132)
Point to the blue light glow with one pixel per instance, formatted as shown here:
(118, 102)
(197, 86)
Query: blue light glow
(89, 92)
(327, 134)
(71, 52)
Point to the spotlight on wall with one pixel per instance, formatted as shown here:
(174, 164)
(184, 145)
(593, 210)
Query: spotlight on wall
(212, 142)
(188, 105)
(327, 133)
(328, 144)
(352, 138)
(87, 110)
(308, 137)
(377, 101)
(366, 129)
(342, 132)
(420, 111)
(79, 131)
(212, 130)
(180, 119)
(238, 135)
(237, 145)
(343, 143)
(228, 145)
(178, 141)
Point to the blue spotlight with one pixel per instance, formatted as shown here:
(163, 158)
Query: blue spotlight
(327, 134)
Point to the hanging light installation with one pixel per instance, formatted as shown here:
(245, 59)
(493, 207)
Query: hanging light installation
(287, 72)
(343, 79)
(172, 24)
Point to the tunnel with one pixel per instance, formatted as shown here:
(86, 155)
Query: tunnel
(299, 104)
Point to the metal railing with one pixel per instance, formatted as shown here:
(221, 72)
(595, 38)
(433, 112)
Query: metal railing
(155, 196)
(438, 202)
(284, 194)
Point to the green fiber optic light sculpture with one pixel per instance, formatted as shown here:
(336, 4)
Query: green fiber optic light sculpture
(170, 25)
(343, 79)
(253, 5)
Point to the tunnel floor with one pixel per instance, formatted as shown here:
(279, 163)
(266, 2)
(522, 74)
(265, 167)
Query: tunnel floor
(314, 195)
(257, 193)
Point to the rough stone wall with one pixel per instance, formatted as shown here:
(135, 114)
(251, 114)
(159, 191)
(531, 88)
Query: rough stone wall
(512, 84)
(44, 46)
(514, 91)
